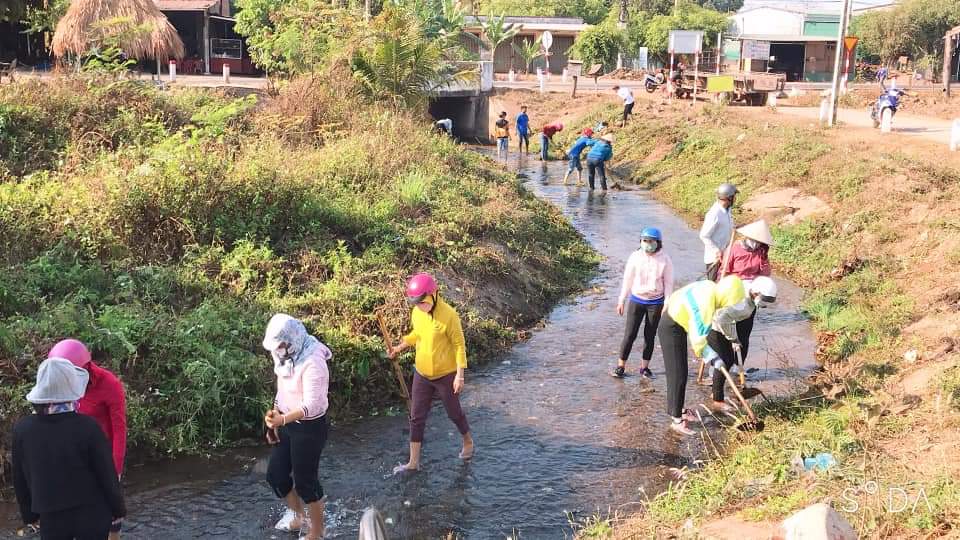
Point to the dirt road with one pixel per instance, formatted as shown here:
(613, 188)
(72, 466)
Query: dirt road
(933, 129)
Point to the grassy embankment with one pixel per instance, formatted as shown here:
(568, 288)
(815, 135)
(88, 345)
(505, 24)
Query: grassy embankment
(163, 229)
(880, 271)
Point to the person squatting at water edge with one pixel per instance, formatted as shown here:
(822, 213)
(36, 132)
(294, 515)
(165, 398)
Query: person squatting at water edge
(297, 423)
(440, 361)
(647, 281)
(749, 259)
(63, 472)
(717, 230)
(724, 339)
(689, 312)
(104, 400)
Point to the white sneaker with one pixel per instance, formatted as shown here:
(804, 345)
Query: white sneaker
(285, 520)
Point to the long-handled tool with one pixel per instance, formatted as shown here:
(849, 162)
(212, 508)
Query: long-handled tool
(720, 275)
(743, 373)
(753, 424)
(404, 391)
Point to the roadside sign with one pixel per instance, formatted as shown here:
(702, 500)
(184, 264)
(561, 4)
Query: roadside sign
(756, 50)
(643, 58)
(850, 42)
(547, 40)
(686, 41)
(720, 83)
(574, 68)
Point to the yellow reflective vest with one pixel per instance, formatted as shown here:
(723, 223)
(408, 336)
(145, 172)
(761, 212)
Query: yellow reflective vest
(693, 306)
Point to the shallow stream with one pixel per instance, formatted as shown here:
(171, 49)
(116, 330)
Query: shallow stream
(557, 437)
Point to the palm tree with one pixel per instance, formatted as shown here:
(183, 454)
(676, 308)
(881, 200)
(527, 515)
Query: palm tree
(401, 65)
(495, 30)
(529, 50)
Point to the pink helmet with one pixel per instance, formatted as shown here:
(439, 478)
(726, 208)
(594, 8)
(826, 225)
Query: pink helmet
(73, 350)
(419, 286)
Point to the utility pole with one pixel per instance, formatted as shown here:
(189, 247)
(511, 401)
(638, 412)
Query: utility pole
(835, 87)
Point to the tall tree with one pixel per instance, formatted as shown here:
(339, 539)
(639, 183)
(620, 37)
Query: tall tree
(529, 50)
(495, 30)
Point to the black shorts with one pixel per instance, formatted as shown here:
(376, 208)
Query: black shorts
(627, 110)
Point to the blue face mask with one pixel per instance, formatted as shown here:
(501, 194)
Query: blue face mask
(649, 247)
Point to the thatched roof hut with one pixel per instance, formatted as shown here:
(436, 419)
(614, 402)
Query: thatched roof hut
(78, 31)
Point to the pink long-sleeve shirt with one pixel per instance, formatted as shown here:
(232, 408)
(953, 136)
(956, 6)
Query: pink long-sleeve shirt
(306, 389)
(647, 276)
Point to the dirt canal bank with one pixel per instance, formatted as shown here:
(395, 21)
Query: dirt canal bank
(555, 433)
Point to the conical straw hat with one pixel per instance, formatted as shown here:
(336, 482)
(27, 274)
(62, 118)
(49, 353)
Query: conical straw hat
(759, 231)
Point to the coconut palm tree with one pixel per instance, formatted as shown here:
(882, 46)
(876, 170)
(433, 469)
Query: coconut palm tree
(401, 65)
(529, 50)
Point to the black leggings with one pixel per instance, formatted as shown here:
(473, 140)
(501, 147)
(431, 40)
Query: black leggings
(295, 460)
(636, 314)
(673, 342)
(724, 348)
(627, 111)
(90, 522)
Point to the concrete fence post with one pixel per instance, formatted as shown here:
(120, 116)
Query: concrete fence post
(172, 67)
(955, 135)
(226, 73)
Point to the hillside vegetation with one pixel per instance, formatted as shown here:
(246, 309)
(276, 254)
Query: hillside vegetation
(879, 264)
(164, 228)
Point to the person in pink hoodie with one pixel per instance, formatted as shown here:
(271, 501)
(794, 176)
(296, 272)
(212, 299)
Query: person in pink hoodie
(647, 280)
(104, 400)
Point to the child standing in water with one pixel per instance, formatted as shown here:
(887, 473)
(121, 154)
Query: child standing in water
(502, 131)
(523, 129)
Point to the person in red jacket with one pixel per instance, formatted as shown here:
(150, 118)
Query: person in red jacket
(104, 401)
(546, 135)
(749, 259)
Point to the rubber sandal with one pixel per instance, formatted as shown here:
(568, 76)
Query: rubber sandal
(681, 428)
(401, 468)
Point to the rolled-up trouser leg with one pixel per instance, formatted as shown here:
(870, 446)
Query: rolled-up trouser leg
(422, 398)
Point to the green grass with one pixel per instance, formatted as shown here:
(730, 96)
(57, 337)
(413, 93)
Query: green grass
(168, 244)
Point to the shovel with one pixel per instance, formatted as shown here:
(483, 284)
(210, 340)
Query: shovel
(753, 424)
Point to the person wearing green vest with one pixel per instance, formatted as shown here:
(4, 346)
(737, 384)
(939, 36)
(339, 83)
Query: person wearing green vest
(689, 313)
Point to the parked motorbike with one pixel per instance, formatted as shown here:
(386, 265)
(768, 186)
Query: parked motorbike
(652, 82)
(885, 107)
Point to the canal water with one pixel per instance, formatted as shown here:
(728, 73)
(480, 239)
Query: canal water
(557, 438)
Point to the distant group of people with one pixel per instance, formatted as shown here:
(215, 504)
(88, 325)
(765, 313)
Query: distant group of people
(501, 133)
(715, 314)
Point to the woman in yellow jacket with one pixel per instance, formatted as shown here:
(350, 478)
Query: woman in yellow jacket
(440, 362)
(689, 312)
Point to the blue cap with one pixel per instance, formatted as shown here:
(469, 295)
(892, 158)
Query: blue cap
(651, 232)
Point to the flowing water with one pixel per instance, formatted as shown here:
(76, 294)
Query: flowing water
(556, 435)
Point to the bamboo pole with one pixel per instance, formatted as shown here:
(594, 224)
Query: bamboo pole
(404, 391)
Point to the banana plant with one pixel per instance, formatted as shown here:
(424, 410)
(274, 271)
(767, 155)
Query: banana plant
(529, 50)
(495, 30)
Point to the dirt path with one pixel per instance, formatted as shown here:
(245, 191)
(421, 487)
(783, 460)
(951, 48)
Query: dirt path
(934, 129)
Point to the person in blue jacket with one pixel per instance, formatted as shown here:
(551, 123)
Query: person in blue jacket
(597, 158)
(585, 140)
(523, 128)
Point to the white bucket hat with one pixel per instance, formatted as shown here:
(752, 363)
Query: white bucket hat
(759, 231)
(58, 381)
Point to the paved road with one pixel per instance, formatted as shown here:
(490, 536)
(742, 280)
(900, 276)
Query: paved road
(934, 129)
